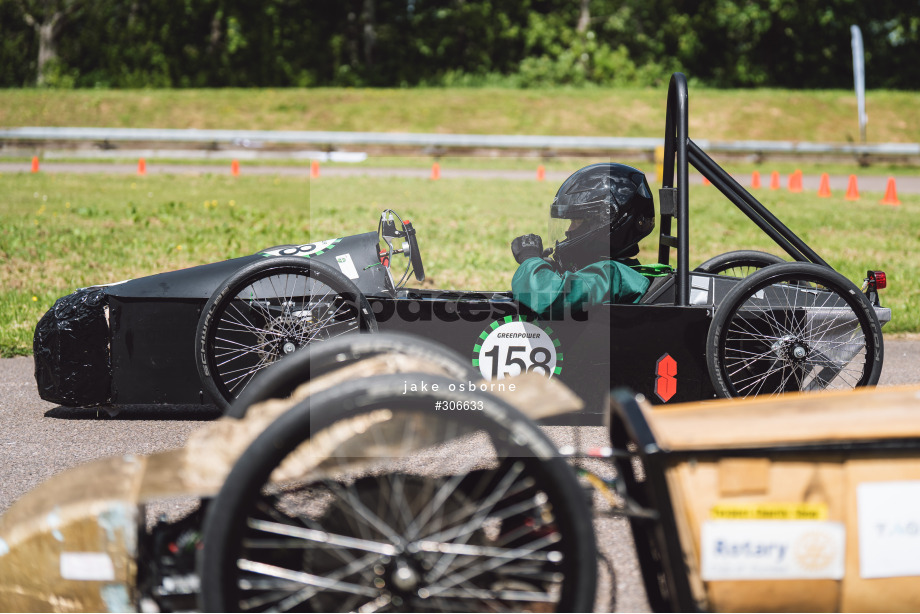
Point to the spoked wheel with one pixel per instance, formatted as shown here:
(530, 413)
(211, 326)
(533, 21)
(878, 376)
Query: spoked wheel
(268, 310)
(366, 497)
(739, 263)
(317, 360)
(795, 326)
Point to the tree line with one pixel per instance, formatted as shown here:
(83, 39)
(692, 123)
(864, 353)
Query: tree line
(404, 43)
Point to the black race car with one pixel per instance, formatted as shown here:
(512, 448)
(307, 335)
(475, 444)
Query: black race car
(742, 324)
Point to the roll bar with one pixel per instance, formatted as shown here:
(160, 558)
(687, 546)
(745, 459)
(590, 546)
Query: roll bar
(674, 196)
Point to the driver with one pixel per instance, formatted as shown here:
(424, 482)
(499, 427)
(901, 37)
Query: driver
(597, 219)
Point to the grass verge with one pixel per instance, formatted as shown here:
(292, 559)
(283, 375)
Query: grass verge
(795, 115)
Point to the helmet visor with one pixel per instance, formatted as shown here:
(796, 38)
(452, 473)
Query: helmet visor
(563, 229)
(578, 209)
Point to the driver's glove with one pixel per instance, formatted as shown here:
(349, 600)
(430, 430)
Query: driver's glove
(527, 246)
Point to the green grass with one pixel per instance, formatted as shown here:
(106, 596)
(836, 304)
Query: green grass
(822, 115)
(60, 232)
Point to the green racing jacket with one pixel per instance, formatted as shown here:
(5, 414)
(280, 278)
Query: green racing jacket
(537, 285)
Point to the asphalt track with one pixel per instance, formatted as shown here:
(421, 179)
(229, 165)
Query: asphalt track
(810, 183)
(39, 439)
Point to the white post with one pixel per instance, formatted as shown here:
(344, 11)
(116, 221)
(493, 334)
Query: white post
(859, 78)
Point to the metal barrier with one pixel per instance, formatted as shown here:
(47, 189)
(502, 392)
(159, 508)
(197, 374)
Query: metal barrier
(327, 139)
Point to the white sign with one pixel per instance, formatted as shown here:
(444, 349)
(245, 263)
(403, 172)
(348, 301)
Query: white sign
(699, 290)
(91, 566)
(772, 550)
(514, 347)
(889, 529)
(347, 265)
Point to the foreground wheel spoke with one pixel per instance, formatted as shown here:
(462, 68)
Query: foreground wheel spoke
(485, 551)
(323, 537)
(482, 567)
(292, 599)
(304, 578)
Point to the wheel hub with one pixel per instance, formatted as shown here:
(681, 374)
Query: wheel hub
(398, 580)
(280, 336)
(404, 577)
(791, 348)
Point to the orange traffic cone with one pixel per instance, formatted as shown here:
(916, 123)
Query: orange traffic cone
(435, 171)
(314, 169)
(824, 190)
(34, 164)
(755, 180)
(235, 168)
(774, 180)
(852, 189)
(891, 194)
(141, 167)
(541, 173)
(795, 181)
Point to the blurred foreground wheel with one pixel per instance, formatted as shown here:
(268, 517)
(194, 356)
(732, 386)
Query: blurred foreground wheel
(366, 497)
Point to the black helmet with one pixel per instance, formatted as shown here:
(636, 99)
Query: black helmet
(600, 212)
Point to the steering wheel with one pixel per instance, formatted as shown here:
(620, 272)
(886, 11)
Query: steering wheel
(414, 255)
(387, 230)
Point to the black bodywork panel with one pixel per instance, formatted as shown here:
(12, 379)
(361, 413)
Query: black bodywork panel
(132, 343)
(153, 351)
(604, 346)
(152, 345)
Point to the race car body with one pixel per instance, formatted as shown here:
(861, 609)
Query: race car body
(133, 342)
(200, 335)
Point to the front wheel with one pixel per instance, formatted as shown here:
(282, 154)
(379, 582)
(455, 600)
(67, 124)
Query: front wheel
(793, 327)
(268, 310)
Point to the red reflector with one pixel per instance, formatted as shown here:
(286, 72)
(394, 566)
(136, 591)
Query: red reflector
(666, 380)
(880, 279)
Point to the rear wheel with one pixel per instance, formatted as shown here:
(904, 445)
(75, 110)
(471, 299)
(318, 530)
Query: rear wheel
(793, 327)
(268, 310)
(366, 497)
(740, 263)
